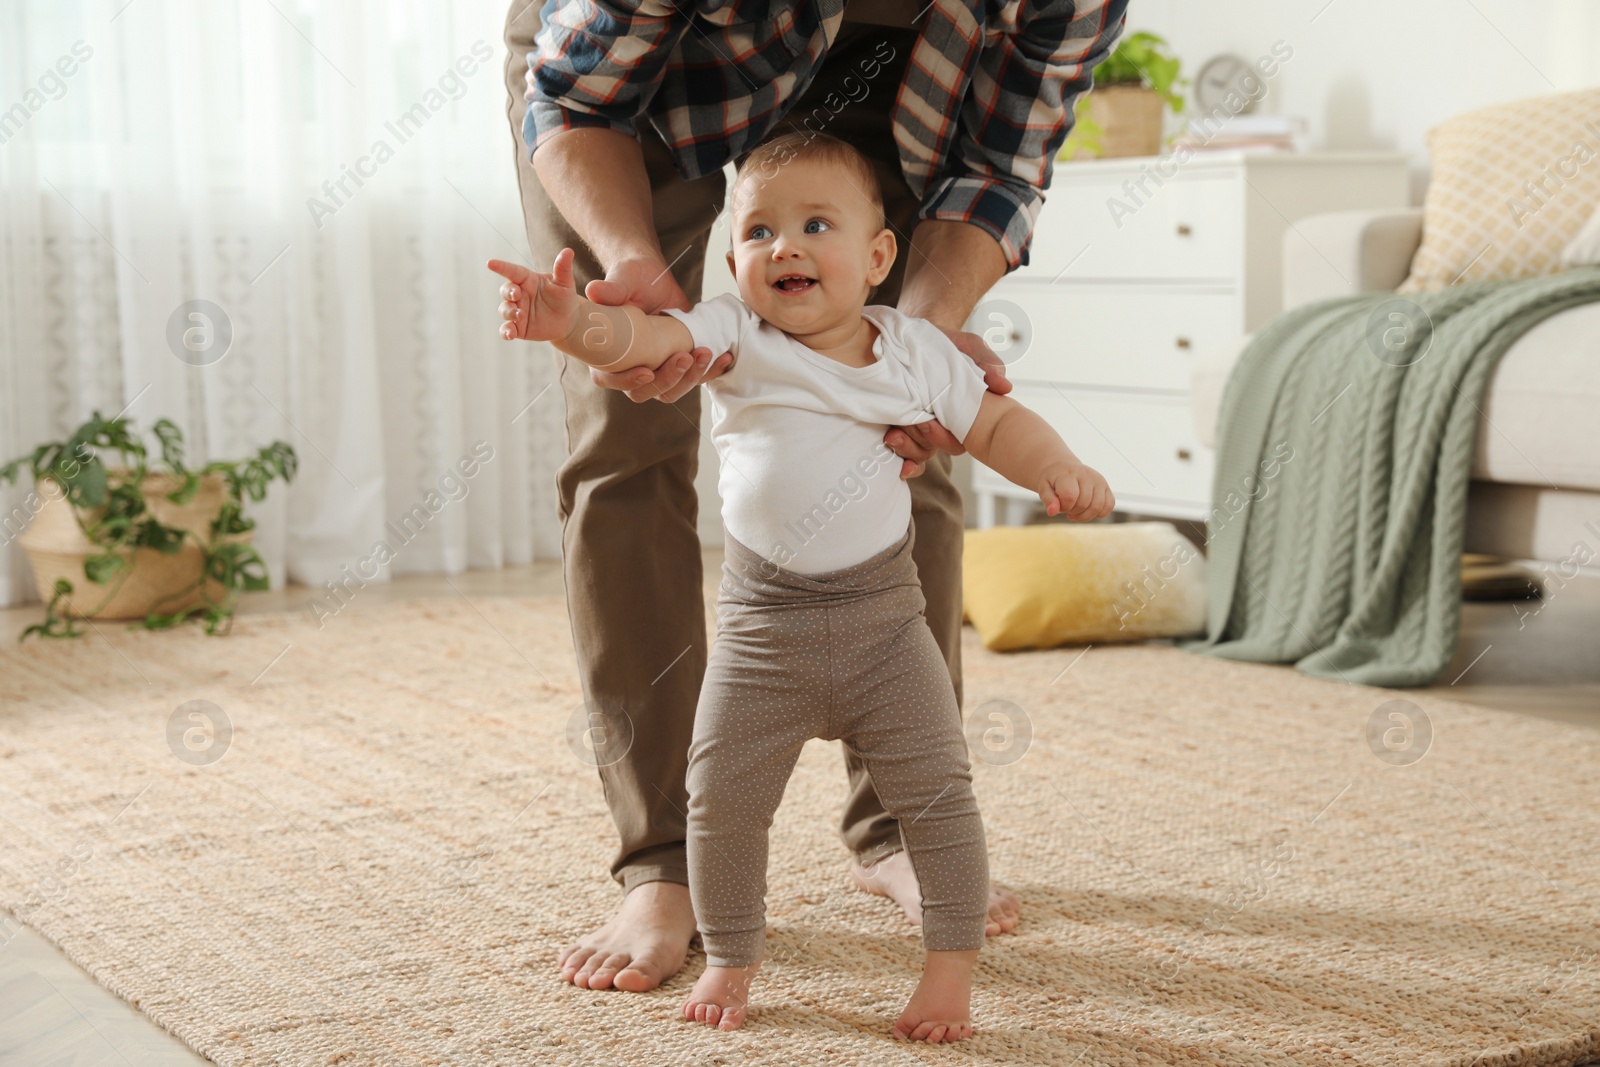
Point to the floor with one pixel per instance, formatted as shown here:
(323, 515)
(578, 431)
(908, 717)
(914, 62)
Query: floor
(1530, 657)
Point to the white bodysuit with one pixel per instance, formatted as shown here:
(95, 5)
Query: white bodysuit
(806, 479)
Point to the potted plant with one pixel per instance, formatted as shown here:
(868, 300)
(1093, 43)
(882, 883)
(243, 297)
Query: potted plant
(165, 544)
(1123, 114)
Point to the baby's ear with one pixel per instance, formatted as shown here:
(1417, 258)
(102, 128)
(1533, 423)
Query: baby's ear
(733, 270)
(884, 247)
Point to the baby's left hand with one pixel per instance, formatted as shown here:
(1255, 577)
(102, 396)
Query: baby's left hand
(1077, 491)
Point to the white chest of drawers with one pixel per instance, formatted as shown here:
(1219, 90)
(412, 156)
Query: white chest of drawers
(1137, 265)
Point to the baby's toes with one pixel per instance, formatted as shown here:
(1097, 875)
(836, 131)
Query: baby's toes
(732, 1018)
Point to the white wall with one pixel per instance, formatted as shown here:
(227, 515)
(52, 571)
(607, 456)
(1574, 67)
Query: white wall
(1376, 74)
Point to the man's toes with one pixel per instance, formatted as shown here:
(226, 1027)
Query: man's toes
(637, 976)
(575, 958)
(1004, 911)
(585, 974)
(603, 974)
(999, 922)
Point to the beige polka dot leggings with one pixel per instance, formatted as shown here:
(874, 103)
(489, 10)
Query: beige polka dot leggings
(844, 655)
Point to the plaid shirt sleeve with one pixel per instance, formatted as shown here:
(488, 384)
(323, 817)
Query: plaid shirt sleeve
(597, 63)
(1016, 117)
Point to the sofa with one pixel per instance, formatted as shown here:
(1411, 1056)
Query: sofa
(1535, 490)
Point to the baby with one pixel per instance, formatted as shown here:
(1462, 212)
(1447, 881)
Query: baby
(820, 627)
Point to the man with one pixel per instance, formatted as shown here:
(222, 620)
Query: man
(624, 113)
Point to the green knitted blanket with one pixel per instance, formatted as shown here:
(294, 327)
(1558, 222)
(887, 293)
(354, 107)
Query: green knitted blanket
(1345, 442)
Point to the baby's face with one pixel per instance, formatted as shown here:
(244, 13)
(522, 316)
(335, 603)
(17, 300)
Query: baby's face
(808, 218)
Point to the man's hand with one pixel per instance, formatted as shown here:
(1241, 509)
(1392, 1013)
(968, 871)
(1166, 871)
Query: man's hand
(915, 445)
(648, 284)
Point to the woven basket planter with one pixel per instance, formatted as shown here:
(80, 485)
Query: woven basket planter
(1131, 118)
(56, 548)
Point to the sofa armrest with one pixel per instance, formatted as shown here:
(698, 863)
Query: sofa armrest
(1206, 383)
(1347, 252)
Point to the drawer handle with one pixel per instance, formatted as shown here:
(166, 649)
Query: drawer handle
(1183, 342)
(1183, 229)
(1183, 454)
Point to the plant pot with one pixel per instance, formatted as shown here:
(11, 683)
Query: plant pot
(56, 548)
(1131, 116)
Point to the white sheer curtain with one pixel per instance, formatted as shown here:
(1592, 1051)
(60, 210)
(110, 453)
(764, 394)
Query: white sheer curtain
(332, 176)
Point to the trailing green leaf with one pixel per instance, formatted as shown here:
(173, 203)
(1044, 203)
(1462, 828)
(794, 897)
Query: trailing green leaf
(171, 439)
(100, 568)
(54, 625)
(185, 492)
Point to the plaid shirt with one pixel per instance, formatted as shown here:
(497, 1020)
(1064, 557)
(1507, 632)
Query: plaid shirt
(985, 104)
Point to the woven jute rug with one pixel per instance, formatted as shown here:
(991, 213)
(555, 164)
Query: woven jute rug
(374, 838)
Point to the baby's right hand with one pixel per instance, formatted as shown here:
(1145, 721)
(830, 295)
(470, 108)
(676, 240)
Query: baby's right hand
(1078, 491)
(537, 307)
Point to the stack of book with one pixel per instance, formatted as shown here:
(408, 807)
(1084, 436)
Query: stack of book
(1221, 132)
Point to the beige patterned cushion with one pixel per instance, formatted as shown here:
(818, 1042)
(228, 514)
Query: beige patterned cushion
(1511, 185)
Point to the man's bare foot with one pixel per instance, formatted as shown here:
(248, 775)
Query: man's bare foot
(644, 945)
(893, 877)
(941, 1008)
(721, 997)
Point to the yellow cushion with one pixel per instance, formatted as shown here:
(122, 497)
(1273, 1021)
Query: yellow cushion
(1511, 185)
(1057, 584)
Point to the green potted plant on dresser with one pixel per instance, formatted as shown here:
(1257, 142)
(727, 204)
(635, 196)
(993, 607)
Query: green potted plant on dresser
(1123, 115)
(159, 544)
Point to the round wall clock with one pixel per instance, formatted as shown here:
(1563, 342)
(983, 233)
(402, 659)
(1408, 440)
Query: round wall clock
(1222, 75)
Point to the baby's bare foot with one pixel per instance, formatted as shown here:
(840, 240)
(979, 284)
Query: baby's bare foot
(893, 877)
(941, 1008)
(642, 947)
(721, 997)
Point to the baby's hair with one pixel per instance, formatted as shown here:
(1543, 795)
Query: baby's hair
(788, 145)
